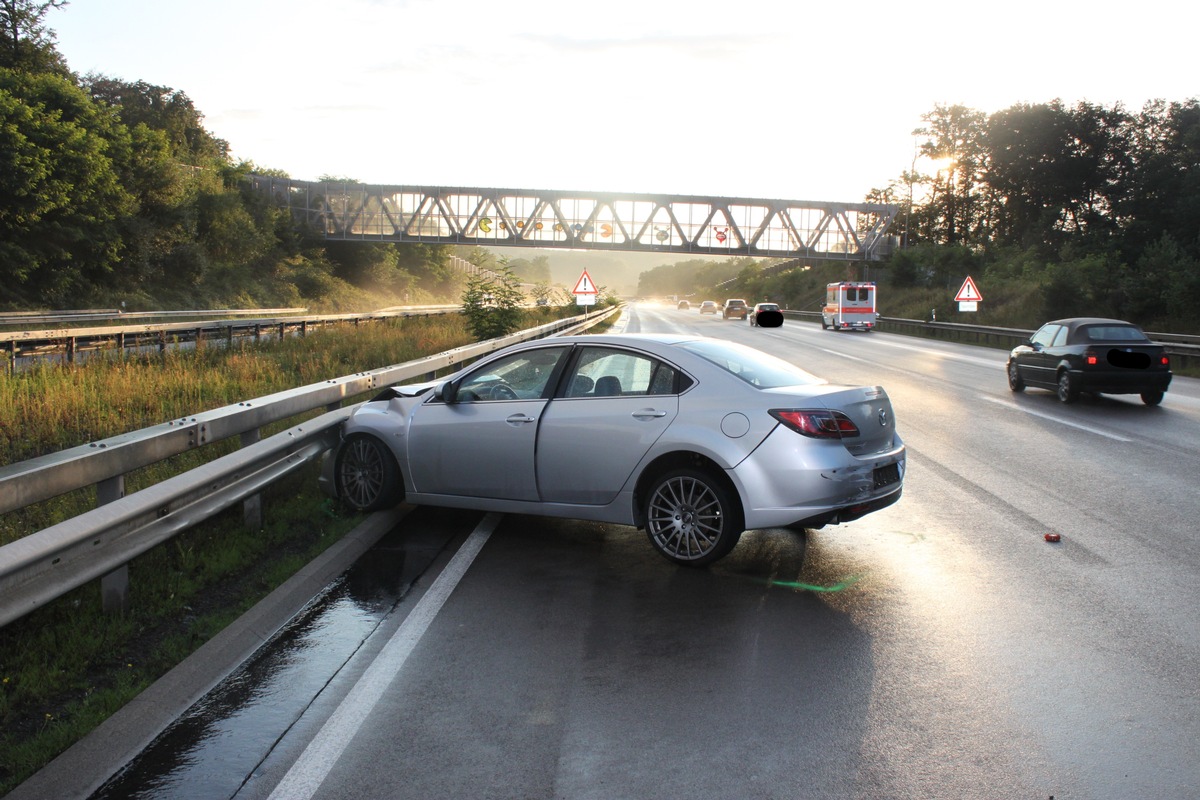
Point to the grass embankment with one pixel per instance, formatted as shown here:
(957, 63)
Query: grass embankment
(65, 668)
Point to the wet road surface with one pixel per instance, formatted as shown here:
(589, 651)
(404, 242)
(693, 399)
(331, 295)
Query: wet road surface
(938, 648)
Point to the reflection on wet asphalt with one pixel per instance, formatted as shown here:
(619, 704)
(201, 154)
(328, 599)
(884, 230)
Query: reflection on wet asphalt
(213, 748)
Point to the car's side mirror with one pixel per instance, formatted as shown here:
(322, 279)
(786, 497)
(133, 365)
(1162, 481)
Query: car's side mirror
(448, 392)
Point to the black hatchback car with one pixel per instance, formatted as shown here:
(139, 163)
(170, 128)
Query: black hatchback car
(1090, 354)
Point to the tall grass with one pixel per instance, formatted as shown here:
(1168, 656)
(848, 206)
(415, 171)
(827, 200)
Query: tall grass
(68, 666)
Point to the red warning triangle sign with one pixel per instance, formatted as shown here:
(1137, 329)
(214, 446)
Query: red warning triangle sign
(969, 292)
(584, 285)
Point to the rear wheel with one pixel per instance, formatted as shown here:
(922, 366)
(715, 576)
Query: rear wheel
(1015, 381)
(1067, 392)
(691, 518)
(367, 476)
(1152, 398)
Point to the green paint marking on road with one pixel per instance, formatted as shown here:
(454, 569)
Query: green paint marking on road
(837, 587)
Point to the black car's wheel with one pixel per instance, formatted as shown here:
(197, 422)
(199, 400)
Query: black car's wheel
(691, 518)
(1015, 381)
(1067, 391)
(1152, 398)
(366, 474)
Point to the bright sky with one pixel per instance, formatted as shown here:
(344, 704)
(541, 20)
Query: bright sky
(785, 99)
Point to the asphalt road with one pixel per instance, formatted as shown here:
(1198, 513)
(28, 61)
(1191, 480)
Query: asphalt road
(938, 648)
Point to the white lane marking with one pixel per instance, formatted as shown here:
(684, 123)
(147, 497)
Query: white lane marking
(306, 775)
(1059, 420)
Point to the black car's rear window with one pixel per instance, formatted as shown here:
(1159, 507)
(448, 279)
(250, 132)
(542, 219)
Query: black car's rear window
(1113, 333)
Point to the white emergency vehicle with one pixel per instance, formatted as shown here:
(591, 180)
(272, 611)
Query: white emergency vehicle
(849, 306)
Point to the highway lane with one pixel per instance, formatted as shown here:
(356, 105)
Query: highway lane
(939, 648)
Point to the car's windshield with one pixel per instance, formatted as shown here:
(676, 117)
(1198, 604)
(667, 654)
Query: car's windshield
(753, 366)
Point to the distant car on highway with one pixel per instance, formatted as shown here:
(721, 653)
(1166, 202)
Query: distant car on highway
(708, 307)
(1091, 354)
(765, 315)
(690, 438)
(683, 305)
(734, 309)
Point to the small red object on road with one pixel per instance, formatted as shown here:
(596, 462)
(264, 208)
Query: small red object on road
(1053, 537)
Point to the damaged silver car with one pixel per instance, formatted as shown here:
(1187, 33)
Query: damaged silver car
(692, 439)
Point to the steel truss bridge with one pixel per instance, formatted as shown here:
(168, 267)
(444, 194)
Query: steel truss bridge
(588, 220)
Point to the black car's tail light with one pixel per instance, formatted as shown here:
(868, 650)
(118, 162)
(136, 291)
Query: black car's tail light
(818, 423)
(1090, 358)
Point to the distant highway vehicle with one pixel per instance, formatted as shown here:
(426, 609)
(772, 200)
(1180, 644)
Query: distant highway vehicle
(734, 309)
(765, 315)
(708, 307)
(690, 438)
(683, 305)
(1091, 354)
(849, 306)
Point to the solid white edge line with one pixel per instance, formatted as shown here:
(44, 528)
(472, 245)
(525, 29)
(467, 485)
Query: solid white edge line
(1085, 428)
(310, 770)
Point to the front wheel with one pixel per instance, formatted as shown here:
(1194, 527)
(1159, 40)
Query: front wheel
(691, 518)
(1015, 381)
(366, 474)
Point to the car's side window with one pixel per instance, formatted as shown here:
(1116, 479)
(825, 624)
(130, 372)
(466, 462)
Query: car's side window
(520, 376)
(608, 372)
(1060, 338)
(1045, 335)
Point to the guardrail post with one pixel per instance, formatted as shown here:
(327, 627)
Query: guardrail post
(114, 587)
(252, 515)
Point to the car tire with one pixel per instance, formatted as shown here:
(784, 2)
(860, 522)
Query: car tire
(366, 474)
(1152, 398)
(691, 517)
(824, 326)
(1015, 381)
(1067, 391)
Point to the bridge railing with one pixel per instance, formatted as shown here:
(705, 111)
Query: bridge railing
(99, 543)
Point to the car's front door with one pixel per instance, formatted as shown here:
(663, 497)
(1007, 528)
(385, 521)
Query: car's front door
(1038, 364)
(483, 443)
(616, 404)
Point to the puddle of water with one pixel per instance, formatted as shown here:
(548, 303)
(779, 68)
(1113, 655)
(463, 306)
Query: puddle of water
(211, 750)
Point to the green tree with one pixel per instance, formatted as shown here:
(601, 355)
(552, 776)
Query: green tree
(62, 191)
(25, 42)
(492, 304)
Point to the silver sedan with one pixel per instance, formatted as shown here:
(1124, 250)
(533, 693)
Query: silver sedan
(690, 438)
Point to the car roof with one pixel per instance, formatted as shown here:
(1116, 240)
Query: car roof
(623, 338)
(1075, 322)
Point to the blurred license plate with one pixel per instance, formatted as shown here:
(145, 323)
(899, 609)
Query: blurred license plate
(886, 475)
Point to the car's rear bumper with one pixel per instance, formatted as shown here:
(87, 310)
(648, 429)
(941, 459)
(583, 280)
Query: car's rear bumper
(791, 480)
(1124, 382)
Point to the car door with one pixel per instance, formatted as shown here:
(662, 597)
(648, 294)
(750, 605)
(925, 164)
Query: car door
(615, 404)
(1037, 366)
(483, 443)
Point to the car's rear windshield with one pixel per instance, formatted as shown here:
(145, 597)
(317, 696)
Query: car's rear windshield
(753, 366)
(1113, 333)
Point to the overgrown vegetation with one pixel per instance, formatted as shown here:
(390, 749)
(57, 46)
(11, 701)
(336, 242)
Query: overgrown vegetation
(67, 667)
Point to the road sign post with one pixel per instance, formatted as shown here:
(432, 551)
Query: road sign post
(968, 296)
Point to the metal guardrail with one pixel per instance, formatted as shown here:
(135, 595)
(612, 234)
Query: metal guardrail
(48, 563)
(68, 342)
(1184, 349)
(92, 314)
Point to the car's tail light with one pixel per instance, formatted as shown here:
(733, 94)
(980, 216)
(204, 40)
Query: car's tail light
(1166, 362)
(1090, 358)
(818, 423)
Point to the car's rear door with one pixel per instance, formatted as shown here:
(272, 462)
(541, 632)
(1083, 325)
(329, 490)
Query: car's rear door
(615, 405)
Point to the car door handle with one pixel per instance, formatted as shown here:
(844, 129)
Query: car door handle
(519, 419)
(648, 413)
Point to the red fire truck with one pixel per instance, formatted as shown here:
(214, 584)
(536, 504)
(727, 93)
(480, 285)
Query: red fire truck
(849, 306)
